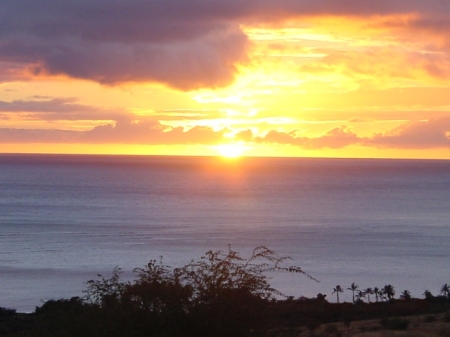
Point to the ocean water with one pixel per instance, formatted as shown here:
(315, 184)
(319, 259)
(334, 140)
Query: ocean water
(65, 219)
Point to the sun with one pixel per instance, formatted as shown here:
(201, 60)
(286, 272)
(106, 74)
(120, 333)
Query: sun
(233, 150)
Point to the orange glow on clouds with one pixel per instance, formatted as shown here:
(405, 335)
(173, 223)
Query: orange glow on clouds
(348, 84)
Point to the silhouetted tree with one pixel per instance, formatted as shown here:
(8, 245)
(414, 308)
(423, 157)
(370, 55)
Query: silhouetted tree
(428, 295)
(338, 289)
(359, 296)
(368, 292)
(445, 290)
(228, 270)
(376, 291)
(353, 288)
(405, 295)
(389, 291)
(107, 291)
(222, 294)
(321, 297)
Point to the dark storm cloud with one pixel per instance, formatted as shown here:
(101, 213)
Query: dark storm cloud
(185, 44)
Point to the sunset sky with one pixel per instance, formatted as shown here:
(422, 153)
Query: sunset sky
(329, 78)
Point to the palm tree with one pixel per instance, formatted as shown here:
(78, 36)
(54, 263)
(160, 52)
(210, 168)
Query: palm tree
(376, 291)
(353, 288)
(368, 292)
(338, 290)
(389, 291)
(427, 294)
(359, 296)
(445, 290)
(405, 295)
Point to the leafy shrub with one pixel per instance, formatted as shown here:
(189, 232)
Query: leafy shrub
(220, 295)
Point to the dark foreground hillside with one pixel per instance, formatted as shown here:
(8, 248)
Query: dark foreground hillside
(235, 314)
(220, 295)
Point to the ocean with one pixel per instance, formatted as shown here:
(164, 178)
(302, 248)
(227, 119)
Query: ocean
(66, 218)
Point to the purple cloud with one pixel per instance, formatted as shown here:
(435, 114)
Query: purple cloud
(183, 44)
(57, 109)
(335, 139)
(121, 132)
(116, 41)
(434, 133)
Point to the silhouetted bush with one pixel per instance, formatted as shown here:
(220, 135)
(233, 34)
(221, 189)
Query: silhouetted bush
(222, 294)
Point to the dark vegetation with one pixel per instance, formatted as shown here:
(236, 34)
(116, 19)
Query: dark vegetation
(220, 295)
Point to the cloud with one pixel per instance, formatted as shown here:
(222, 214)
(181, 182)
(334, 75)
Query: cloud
(57, 109)
(434, 133)
(11, 71)
(430, 134)
(116, 41)
(335, 139)
(246, 136)
(151, 132)
(147, 132)
(45, 104)
(387, 67)
(183, 44)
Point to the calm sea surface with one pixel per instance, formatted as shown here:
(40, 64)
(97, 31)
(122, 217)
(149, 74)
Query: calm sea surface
(64, 219)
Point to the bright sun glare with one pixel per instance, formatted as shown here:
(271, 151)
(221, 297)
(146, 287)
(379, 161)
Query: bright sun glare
(231, 150)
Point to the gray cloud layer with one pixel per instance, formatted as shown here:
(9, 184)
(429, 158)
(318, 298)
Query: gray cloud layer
(185, 44)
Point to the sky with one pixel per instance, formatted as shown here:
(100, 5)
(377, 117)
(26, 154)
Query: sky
(307, 78)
